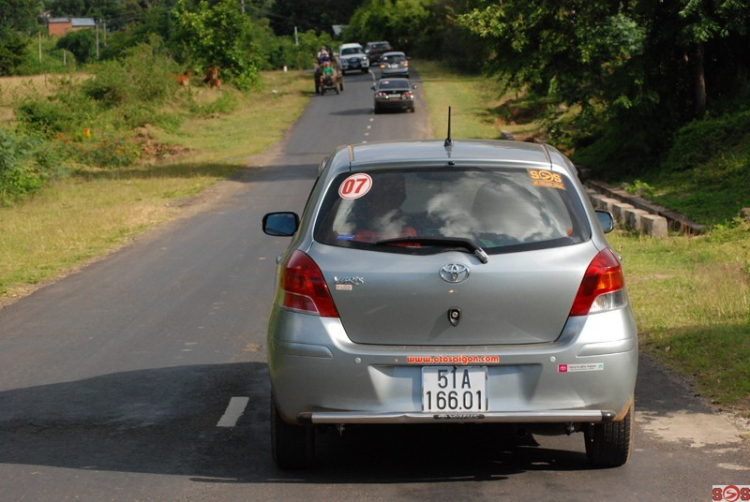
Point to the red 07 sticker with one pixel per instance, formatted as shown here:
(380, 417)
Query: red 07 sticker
(355, 186)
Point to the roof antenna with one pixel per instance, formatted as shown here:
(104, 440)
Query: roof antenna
(449, 141)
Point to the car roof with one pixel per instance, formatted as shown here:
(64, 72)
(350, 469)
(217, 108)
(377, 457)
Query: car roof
(392, 53)
(349, 45)
(429, 153)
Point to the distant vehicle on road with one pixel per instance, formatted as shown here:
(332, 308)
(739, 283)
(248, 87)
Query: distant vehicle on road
(375, 49)
(394, 94)
(352, 58)
(394, 64)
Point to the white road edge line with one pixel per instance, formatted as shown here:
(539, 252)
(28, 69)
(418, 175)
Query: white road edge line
(234, 411)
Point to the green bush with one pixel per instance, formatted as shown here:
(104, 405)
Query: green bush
(142, 76)
(107, 153)
(19, 173)
(701, 140)
(44, 115)
(81, 43)
(53, 60)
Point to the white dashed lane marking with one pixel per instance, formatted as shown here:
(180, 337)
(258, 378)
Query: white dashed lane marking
(234, 411)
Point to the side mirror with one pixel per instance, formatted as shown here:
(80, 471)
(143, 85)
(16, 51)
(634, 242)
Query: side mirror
(374, 88)
(606, 220)
(283, 224)
(414, 86)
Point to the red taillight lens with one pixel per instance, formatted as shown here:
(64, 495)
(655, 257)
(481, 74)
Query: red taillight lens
(381, 95)
(407, 95)
(602, 286)
(305, 289)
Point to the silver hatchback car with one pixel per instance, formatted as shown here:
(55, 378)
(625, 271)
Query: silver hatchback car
(450, 282)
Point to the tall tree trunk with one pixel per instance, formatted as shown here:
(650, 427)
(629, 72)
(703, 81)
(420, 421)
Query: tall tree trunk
(699, 76)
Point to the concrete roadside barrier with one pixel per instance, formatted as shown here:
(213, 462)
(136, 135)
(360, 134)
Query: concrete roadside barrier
(654, 225)
(673, 220)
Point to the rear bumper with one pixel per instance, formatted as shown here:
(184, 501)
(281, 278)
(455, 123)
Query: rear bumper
(560, 416)
(394, 104)
(320, 376)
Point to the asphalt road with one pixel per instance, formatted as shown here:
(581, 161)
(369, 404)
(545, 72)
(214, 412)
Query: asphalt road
(143, 377)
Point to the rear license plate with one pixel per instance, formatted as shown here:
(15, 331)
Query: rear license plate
(452, 388)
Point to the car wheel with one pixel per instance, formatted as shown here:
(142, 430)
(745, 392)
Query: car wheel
(365, 70)
(292, 446)
(609, 444)
(377, 110)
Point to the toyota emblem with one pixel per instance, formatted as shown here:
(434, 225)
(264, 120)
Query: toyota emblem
(454, 273)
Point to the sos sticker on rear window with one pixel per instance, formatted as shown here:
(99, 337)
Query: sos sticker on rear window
(355, 186)
(544, 178)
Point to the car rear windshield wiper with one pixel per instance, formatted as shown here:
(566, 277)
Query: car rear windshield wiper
(448, 243)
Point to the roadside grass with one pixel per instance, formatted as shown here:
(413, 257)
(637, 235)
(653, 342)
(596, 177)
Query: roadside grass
(690, 294)
(94, 211)
(478, 107)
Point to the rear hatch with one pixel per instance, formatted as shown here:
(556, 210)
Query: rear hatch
(503, 250)
(515, 298)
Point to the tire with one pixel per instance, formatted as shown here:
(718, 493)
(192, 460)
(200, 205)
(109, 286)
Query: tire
(365, 70)
(610, 444)
(292, 446)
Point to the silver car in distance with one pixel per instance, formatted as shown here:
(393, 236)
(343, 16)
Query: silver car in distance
(450, 282)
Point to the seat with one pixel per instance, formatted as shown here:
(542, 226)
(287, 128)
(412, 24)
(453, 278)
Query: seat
(510, 210)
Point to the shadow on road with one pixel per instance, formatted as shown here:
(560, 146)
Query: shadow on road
(164, 421)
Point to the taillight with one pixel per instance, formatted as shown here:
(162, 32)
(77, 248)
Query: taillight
(407, 95)
(381, 95)
(602, 287)
(305, 289)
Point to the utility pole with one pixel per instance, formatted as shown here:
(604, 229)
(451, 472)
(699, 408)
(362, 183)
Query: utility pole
(96, 28)
(296, 44)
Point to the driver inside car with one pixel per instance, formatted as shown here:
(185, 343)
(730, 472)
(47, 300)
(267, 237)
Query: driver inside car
(378, 215)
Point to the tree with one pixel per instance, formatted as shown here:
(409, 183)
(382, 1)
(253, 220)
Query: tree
(217, 34)
(82, 44)
(20, 15)
(305, 15)
(706, 25)
(12, 48)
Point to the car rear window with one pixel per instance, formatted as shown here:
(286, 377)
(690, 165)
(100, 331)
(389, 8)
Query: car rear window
(393, 84)
(500, 210)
